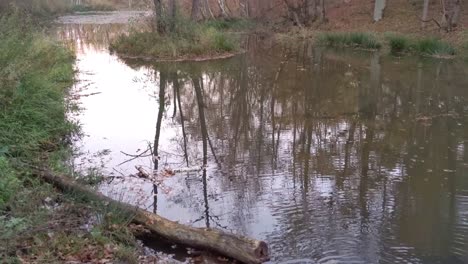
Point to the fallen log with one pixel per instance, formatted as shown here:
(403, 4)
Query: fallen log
(239, 248)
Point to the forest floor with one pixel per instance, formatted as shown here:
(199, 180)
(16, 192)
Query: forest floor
(400, 16)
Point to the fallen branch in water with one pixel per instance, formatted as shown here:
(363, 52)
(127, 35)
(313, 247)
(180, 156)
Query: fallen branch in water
(240, 248)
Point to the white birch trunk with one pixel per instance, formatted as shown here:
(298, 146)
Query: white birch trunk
(379, 8)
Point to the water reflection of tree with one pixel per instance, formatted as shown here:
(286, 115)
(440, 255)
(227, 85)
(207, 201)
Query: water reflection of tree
(82, 37)
(384, 136)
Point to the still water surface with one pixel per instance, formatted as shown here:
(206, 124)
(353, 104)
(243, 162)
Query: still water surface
(330, 156)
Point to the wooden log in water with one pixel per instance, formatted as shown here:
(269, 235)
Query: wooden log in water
(239, 248)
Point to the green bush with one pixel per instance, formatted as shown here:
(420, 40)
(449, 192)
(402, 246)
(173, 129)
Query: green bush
(398, 44)
(433, 47)
(35, 73)
(354, 39)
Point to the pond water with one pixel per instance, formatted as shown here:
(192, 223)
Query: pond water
(330, 156)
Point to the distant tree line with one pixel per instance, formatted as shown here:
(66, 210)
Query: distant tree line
(304, 12)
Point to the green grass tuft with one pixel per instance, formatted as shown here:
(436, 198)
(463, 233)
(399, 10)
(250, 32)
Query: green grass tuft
(355, 39)
(183, 39)
(35, 73)
(398, 44)
(433, 47)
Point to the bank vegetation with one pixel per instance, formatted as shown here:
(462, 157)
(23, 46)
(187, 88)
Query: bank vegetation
(39, 224)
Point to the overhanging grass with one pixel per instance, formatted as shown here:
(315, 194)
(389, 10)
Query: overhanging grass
(353, 39)
(35, 73)
(433, 47)
(186, 40)
(400, 44)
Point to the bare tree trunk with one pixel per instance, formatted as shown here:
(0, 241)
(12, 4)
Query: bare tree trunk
(293, 13)
(311, 10)
(195, 10)
(222, 7)
(424, 14)
(379, 8)
(450, 13)
(159, 22)
(172, 14)
(207, 8)
(162, 92)
(245, 8)
(456, 16)
(176, 84)
(201, 113)
(323, 15)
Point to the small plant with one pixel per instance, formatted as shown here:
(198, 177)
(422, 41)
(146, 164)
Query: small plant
(355, 39)
(398, 44)
(434, 47)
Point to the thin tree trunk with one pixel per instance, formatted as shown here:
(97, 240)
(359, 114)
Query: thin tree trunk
(162, 90)
(311, 10)
(222, 7)
(175, 82)
(158, 19)
(207, 8)
(201, 115)
(195, 10)
(379, 8)
(245, 8)
(323, 14)
(172, 14)
(451, 13)
(424, 14)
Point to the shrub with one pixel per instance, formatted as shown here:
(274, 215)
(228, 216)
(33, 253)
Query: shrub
(434, 47)
(398, 44)
(355, 39)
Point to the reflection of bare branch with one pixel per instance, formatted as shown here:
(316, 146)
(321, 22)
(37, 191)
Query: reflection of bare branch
(134, 157)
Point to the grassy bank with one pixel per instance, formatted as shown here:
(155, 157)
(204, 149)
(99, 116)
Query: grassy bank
(37, 223)
(396, 44)
(400, 44)
(186, 40)
(349, 39)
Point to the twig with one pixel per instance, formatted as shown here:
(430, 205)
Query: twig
(134, 157)
(432, 20)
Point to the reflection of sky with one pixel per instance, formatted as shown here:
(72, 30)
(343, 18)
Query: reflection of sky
(120, 115)
(358, 222)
